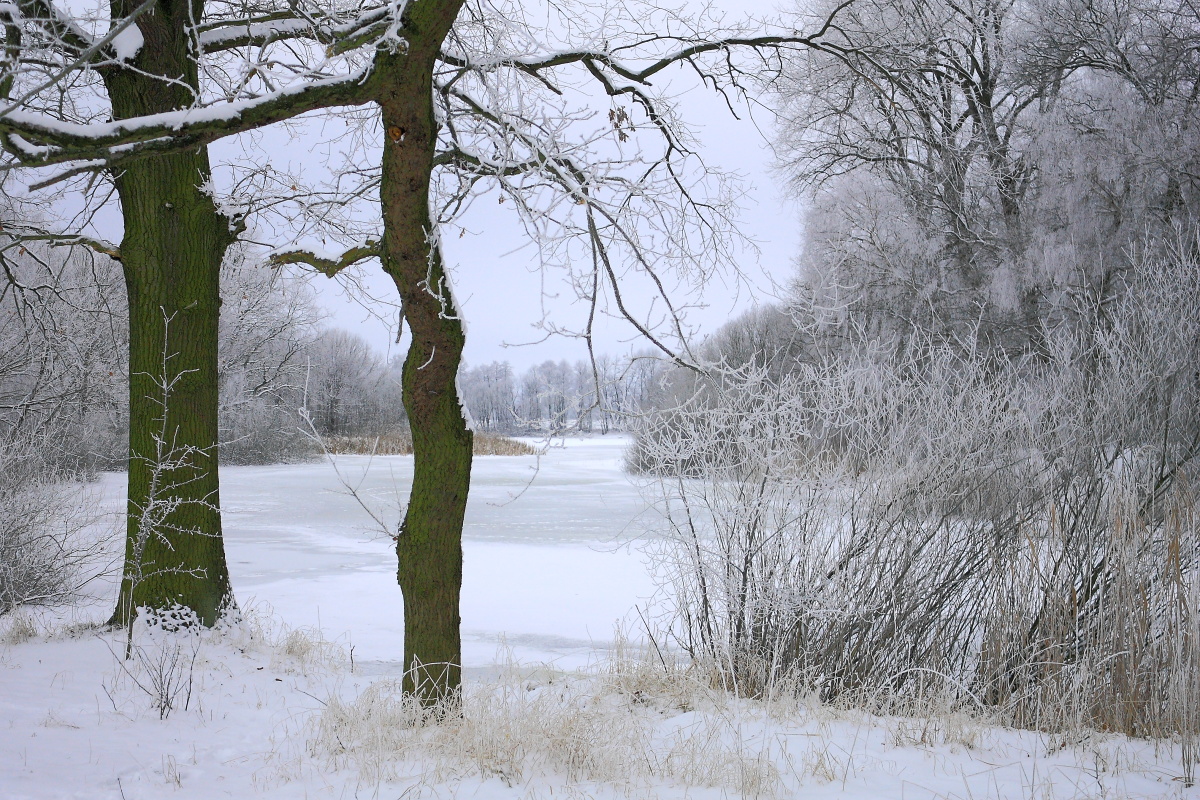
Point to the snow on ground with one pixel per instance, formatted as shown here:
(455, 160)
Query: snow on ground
(275, 709)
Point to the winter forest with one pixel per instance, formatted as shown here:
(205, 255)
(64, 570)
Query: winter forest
(918, 521)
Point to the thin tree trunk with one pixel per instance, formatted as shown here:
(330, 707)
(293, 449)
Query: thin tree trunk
(429, 544)
(174, 241)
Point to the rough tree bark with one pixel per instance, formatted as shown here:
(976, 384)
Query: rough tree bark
(429, 544)
(174, 241)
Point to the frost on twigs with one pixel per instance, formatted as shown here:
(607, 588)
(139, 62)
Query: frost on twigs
(879, 524)
(171, 469)
(160, 659)
(169, 663)
(49, 548)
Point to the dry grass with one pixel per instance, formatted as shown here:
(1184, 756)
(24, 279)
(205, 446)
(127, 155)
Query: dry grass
(645, 727)
(291, 650)
(586, 730)
(17, 628)
(493, 444)
(399, 443)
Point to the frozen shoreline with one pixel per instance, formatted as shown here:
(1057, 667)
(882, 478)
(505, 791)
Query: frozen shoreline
(280, 709)
(551, 562)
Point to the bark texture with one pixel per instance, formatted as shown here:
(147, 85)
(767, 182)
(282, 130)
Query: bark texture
(429, 544)
(174, 241)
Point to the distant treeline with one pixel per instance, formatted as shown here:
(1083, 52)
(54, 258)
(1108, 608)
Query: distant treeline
(284, 375)
(555, 396)
(63, 369)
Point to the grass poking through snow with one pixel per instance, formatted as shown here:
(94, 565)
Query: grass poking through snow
(278, 713)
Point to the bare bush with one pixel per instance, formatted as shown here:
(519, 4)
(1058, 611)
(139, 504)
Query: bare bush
(160, 658)
(46, 553)
(817, 530)
(893, 521)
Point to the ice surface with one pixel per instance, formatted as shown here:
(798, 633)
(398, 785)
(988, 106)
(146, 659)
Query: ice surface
(548, 564)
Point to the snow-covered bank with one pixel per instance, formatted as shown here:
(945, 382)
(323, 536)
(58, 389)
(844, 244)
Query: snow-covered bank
(274, 714)
(268, 709)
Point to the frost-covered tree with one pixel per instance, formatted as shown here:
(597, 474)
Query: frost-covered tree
(975, 167)
(62, 351)
(469, 98)
(605, 393)
(62, 68)
(489, 393)
(267, 339)
(917, 134)
(349, 390)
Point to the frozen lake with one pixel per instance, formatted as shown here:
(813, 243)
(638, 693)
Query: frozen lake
(548, 569)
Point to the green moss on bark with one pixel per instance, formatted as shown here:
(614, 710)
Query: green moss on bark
(174, 241)
(429, 547)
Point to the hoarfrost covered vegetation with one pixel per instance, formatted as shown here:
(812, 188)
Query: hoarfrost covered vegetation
(1020, 536)
(924, 528)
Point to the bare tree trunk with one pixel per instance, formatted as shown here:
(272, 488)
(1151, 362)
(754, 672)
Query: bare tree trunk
(429, 544)
(175, 239)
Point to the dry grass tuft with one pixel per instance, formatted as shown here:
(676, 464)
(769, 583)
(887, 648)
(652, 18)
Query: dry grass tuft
(493, 444)
(254, 630)
(18, 628)
(399, 443)
(605, 728)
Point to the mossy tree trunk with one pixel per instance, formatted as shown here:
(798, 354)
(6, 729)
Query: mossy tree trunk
(429, 544)
(174, 241)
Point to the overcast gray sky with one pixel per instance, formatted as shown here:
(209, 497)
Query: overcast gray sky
(502, 293)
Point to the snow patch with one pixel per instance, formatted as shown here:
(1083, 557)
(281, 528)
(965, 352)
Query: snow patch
(128, 43)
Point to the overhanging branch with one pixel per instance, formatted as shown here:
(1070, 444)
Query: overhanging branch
(327, 266)
(40, 140)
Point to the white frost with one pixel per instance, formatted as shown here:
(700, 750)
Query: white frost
(35, 123)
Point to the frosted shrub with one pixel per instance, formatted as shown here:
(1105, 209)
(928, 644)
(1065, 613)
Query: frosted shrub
(45, 554)
(260, 430)
(885, 525)
(804, 548)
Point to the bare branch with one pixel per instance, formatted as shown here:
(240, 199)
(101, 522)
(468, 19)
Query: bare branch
(326, 266)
